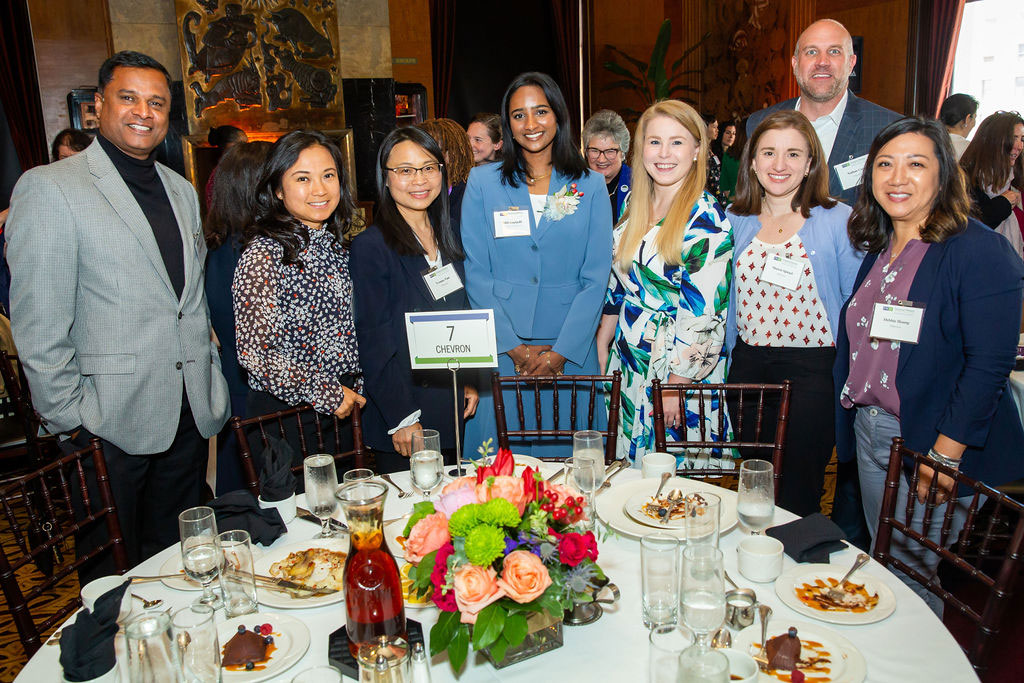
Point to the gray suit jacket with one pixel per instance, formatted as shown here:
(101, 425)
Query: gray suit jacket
(105, 341)
(862, 121)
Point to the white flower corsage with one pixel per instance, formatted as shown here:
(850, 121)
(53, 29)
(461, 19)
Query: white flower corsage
(563, 203)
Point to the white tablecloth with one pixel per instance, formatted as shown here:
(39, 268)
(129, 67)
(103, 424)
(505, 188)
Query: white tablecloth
(911, 645)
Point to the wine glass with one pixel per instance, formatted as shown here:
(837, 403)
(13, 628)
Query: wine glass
(321, 480)
(756, 503)
(426, 466)
(588, 467)
(200, 551)
(702, 592)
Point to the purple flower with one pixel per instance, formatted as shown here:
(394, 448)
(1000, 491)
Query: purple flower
(450, 502)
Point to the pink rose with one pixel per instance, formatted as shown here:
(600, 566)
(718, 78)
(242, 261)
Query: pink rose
(475, 588)
(450, 502)
(456, 484)
(429, 534)
(524, 577)
(509, 488)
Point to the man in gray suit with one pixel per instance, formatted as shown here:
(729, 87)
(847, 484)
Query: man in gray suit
(108, 307)
(822, 62)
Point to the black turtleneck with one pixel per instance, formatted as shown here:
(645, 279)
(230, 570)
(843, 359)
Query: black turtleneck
(141, 177)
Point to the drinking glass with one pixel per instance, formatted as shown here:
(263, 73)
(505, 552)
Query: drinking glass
(703, 521)
(588, 467)
(237, 578)
(357, 474)
(659, 574)
(667, 643)
(756, 503)
(200, 551)
(703, 592)
(152, 652)
(195, 634)
(426, 466)
(697, 665)
(321, 482)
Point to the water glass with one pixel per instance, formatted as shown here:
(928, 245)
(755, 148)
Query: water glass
(697, 665)
(321, 479)
(200, 551)
(237, 579)
(667, 644)
(703, 592)
(152, 651)
(659, 574)
(426, 466)
(755, 505)
(588, 467)
(703, 521)
(357, 474)
(195, 635)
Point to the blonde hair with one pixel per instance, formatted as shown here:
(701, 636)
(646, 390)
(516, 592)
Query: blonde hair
(669, 242)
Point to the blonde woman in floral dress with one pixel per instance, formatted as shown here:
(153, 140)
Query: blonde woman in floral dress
(664, 314)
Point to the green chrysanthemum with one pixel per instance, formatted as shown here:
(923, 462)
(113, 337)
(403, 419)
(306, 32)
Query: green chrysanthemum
(484, 544)
(499, 512)
(464, 519)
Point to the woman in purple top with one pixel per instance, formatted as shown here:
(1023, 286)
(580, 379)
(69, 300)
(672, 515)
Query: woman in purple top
(927, 341)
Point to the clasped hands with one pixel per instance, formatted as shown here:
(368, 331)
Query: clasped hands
(537, 359)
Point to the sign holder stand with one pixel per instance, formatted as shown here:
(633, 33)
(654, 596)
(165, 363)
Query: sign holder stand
(456, 403)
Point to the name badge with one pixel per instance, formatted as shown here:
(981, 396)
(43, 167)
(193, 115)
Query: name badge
(512, 223)
(851, 172)
(897, 322)
(782, 271)
(442, 281)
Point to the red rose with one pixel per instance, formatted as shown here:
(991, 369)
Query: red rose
(444, 601)
(572, 548)
(591, 545)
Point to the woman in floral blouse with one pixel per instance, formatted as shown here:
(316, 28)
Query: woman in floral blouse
(292, 290)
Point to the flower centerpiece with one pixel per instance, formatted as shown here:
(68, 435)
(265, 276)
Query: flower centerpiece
(497, 552)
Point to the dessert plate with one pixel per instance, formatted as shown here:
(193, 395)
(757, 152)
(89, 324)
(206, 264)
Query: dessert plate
(281, 599)
(846, 663)
(611, 505)
(795, 577)
(291, 638)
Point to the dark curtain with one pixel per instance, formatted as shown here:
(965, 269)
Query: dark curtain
(565, 15)
(942, 34)
(442, 48)
(19, 86)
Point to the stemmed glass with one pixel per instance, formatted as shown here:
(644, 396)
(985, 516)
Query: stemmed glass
(426, 466)
(756, 503)
(321, 480)
(588, 467)
(702, 603)
(200, 551)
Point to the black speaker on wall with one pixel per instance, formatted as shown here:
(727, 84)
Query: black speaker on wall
(370, 113)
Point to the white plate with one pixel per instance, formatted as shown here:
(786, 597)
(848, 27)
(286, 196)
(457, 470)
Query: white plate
(634, 509)
(848, 663)
(786, 584)
(611, 504)
(183, 583)
(392, 530)
(282, 600)
(290, 636)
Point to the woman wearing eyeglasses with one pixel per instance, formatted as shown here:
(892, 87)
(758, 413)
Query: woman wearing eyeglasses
(409, 260)
(606, 144)
(538, 245)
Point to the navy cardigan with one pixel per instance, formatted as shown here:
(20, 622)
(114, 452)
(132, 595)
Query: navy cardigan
(954, 381)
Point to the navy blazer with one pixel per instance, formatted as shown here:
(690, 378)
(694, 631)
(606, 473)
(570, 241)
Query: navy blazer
(862, 121)
(954, 381)
(386, 286)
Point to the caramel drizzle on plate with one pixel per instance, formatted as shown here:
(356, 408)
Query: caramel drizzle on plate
(815, 595)
(815, 663)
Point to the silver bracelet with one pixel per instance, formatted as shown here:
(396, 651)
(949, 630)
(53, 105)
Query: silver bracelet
(943, 460)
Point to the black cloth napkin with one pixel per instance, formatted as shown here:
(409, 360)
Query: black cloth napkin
(277, 482)
(240, 510)
(87, 646)
(810, 539)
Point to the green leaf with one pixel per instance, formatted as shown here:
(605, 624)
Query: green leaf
(641, 66)
(682, 88)
(499, 649)
(420, 574)
(657, 63)
(629, 85)
(459, 647)
(489, 625)
(419, 511)
(696, 256)
(516, 629)
(441, 633)
(620, 71)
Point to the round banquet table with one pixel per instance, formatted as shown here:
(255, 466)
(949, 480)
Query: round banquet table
(910, 645)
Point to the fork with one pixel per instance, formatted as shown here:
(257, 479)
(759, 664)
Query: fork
(402, 493)
(837, 593)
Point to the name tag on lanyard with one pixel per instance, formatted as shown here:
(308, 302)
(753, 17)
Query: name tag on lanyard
(442, 281)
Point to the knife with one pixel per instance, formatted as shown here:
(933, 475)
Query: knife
(303, 513)
(291, 585)
(608, 477)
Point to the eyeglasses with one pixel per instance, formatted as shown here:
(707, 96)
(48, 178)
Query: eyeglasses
(428, 171)
(593, 153)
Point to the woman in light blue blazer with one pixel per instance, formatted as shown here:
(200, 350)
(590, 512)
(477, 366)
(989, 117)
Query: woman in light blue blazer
(538, 249)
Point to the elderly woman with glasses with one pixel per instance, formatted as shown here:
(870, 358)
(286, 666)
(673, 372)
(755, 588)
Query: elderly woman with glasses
(606, 144)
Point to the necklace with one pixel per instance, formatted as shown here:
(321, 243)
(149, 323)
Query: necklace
(533, 179)
(780, 226)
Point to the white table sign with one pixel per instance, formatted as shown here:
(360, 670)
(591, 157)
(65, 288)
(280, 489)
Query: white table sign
(442, 339)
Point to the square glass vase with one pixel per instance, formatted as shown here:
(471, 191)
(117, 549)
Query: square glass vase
(545, 634)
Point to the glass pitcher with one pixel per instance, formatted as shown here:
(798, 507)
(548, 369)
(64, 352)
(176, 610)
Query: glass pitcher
(373, 588)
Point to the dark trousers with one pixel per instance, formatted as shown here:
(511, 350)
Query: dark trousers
(811, 432)
(150, 490)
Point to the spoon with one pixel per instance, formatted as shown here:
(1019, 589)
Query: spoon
(664, 480)
(765, 612)
(146, 604)
(721, 639)
(402, 493)
(729, 579)
(837, 592)
(675, 497)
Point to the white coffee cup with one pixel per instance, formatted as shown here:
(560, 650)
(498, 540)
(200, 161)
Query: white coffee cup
(653, 465)
(760, 558)
(285, 508)
(94, 590)
(742, 666)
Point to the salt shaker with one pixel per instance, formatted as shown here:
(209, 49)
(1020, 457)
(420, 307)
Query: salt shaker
(420, 664)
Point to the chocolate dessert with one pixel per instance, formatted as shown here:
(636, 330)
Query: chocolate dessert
(783, 651)
(244, 647)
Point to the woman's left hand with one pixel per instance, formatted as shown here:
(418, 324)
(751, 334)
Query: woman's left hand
(924, 482)
(670, 405)
(472, 397)
(546, 363)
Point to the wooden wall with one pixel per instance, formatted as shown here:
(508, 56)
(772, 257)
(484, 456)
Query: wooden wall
(410, 40)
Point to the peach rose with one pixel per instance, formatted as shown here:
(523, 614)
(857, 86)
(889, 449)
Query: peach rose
(456, 484)
(509, 488)
(429, 534)
(524, 577)
(475, 588)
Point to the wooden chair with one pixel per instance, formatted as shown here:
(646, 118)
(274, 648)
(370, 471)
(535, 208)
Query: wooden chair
(36, 526)
(22, 450)
(983, 555)
(558, 386)
(767, 441)
(287, 425)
